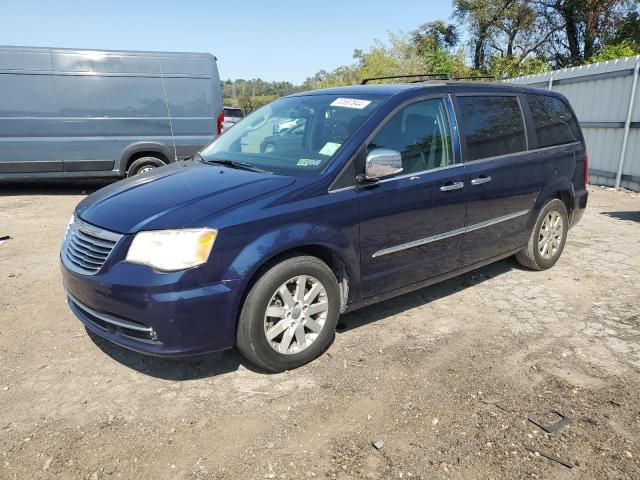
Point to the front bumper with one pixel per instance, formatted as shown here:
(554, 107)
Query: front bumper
(153, 313)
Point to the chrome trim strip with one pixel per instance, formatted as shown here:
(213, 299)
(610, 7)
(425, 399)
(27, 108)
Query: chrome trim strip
(418, 243)
(451, 233)
(108, 318)
(493, 221)
(95, 231)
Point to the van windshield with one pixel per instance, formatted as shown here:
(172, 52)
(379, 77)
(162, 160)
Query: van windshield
(294, 135)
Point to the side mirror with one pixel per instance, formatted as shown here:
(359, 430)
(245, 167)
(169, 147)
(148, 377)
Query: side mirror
(382, 162)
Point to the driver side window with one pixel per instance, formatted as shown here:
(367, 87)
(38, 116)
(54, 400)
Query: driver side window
(420, 133)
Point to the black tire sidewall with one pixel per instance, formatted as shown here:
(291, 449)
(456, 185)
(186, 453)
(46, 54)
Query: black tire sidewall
(251, 338)
(140, 163)
(560, 207)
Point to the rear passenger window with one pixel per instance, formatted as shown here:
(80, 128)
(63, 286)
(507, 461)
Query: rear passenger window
(553, 121)
(420, 132)
(491, 126)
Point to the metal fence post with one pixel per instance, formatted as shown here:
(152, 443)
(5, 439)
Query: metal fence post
(627, 123)
(550, 81)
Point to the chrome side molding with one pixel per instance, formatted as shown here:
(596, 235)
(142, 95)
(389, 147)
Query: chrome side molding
(449, 234)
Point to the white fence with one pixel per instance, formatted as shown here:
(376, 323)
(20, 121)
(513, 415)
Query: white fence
(604, 98)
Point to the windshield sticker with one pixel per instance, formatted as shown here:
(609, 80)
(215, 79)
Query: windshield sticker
(350, 103)
(308, 162)
(329, 148)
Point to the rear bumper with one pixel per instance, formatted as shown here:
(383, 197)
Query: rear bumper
(579, 206)
(161, 317)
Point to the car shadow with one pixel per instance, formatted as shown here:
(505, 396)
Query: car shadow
(633, 216)
(219, 363)
(176, 369)
(52, 187)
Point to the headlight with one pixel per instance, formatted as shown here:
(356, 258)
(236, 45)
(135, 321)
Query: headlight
(171, 250)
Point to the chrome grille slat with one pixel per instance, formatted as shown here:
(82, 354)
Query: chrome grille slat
(87, 243)
(88, 252)
(86, 248)
(95, 241)
(84, 260)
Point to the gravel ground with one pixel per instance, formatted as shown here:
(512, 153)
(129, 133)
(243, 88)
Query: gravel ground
(446, 377)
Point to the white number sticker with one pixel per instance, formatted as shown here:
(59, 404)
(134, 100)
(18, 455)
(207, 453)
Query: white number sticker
(350, 103)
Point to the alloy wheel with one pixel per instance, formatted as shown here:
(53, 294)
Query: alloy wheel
(550, 235)
(296, 314)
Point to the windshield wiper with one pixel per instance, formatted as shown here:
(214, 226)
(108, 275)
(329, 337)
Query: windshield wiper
(235, 164)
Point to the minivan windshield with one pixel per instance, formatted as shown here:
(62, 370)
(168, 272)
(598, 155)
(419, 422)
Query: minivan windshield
(296, 136)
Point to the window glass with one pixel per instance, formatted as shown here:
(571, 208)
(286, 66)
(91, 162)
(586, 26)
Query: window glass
(491, 126)
(420, 132)
(296, 135)
(96, 96)
(233, 112)
(552, 120)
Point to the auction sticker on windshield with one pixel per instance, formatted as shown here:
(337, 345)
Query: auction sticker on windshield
(308, 162)
(350, 103)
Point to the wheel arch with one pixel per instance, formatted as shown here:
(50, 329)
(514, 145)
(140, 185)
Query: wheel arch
(562, 189)
(328, 255)
(143, 149)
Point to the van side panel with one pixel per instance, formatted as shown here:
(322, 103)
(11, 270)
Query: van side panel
(86, 113)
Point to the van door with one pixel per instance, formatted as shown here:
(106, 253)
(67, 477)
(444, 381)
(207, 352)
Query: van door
(28, 129)
(411, 225)
(503, 177)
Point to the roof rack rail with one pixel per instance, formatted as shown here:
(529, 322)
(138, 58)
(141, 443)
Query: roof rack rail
(475, 77)
(443, 76)
(421, 77)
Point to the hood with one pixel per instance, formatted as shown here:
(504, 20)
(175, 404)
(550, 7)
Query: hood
(174, 196)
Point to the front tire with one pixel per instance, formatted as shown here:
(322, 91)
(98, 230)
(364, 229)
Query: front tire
(548, 237)
(290, 314)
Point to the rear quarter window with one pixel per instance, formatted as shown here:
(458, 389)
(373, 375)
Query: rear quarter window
(491, 126)
(553, 121)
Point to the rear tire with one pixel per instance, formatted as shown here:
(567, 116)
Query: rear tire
(144, 165)
(547, 239)
(280, 331)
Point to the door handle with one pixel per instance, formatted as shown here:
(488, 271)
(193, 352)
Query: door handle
(480, 180)
(452, 186)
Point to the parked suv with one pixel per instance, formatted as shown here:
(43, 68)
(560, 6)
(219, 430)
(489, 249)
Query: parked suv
(390, 188)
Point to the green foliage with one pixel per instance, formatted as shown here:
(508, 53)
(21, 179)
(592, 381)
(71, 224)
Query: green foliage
(501, 66)
(612, 51)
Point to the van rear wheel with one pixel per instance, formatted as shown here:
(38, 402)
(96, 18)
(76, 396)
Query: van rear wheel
(547, 238)
(290, 314)
(144, 165)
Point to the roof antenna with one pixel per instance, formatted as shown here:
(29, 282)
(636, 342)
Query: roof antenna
(166, 102)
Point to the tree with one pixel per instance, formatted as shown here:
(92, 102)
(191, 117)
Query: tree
(581, 28)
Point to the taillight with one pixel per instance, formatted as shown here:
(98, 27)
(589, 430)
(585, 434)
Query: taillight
(586, 168)
(219, 122)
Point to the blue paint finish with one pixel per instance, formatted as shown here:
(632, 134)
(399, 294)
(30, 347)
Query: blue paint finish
(261, 216)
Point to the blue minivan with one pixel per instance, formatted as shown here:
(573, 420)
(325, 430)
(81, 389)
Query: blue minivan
(387, 189)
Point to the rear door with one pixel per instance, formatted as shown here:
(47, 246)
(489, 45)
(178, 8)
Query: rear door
(411, 225)
(503, 178)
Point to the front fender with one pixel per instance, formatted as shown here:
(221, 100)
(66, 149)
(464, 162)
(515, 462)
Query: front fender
(297, 236)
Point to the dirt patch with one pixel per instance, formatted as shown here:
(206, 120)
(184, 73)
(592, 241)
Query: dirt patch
(446, 377)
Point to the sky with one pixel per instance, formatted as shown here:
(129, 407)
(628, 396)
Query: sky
(273, 39)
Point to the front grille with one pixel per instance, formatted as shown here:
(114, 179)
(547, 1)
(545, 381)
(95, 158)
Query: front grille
(86, 247)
